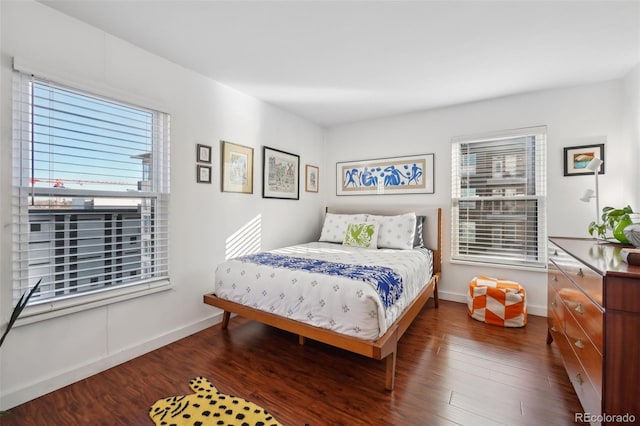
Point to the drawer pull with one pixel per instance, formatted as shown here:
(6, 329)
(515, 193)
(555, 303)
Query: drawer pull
(579, 344)
(579, 309)
(580, 273)
(555, 252)
(554, 329)
(555, 278)
(554, 304)
(579, 379)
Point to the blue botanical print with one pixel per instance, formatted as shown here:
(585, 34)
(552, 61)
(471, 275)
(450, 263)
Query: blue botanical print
(394, 175)
(385, 281)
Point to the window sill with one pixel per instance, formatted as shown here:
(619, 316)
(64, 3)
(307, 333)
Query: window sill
(58, 308)
(499, 265)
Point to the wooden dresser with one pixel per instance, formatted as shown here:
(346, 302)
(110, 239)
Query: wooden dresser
(594, 318)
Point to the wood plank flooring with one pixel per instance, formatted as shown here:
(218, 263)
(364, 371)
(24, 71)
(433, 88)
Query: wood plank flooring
(451, 370)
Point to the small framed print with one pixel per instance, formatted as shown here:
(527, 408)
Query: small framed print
(203, 153)
(237, 168)
(203, 174)
(577, 158)
(311, 178)
(280, 174)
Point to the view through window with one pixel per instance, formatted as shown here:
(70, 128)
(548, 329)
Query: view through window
(499, 198)
(90, 192)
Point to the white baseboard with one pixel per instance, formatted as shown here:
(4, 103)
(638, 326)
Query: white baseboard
(540, 311)
(30, 391)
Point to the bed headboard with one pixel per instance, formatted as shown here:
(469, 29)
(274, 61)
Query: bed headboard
(432, 230)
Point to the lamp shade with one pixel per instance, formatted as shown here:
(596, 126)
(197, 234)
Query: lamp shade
(594, 164)
(588, 194)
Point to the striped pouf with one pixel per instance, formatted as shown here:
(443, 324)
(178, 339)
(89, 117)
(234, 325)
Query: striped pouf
(497, 301)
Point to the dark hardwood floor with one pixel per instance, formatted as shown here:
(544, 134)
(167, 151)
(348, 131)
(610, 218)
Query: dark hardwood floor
(451, 370)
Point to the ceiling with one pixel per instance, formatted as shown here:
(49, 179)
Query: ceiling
(336, 62)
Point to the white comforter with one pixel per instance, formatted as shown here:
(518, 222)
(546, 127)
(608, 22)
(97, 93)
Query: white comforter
(344, 305)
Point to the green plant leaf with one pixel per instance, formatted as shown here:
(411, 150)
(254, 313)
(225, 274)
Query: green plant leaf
(610, 220)
(22, 303)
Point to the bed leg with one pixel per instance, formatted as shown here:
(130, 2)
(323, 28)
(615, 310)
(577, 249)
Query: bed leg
(435, 294)
(225, 319)
(301, 339)
(390, 362)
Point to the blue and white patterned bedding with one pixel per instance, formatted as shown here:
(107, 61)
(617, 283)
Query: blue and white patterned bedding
(354, 291)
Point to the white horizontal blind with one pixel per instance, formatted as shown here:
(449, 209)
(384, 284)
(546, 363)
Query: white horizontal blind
(90, 192)
(499, 198)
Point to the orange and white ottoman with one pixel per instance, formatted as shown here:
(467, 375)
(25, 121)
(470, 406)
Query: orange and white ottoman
(497, 301)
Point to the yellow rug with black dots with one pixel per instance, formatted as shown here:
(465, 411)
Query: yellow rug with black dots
(206, 407)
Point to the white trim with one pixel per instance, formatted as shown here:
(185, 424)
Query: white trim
(26, 392)
(502, 134)
(57, 308)
(536, 310)
(92, 86)
(79, 192)
(541, 268)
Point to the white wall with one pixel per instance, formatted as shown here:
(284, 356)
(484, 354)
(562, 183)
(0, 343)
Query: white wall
(46, 355)
(631, 122)
(573, 116)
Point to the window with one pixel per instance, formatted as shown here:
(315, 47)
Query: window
(499, 198)
(90, 195)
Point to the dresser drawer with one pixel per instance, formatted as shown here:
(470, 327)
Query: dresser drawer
(588, 356)
(589, 398)
(583, 277)
(583, 309)
(555, 304)
(587, 394)
(556, 328)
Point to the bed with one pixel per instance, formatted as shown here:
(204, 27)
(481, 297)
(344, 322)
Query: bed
(335, 291)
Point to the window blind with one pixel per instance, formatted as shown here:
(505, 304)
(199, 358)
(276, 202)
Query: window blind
(499, 198)
(90, 192)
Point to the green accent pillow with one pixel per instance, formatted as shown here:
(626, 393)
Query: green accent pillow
(335, 226)
(362, 234)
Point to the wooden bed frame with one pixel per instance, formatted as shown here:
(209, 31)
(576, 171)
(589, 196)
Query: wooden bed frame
(384, 347)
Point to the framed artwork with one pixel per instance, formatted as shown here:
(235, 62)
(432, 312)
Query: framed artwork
(312, 174)
(280, 174)
(203, 153)
(237, 168)
(576, 159)
(203, 174)
(396, 175)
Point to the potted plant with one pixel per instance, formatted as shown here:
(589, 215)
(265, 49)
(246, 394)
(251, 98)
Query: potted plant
(614, 220)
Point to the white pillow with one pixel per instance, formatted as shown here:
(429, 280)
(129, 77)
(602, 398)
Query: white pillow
(334, 227)
(395, 232)
(362, 234)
